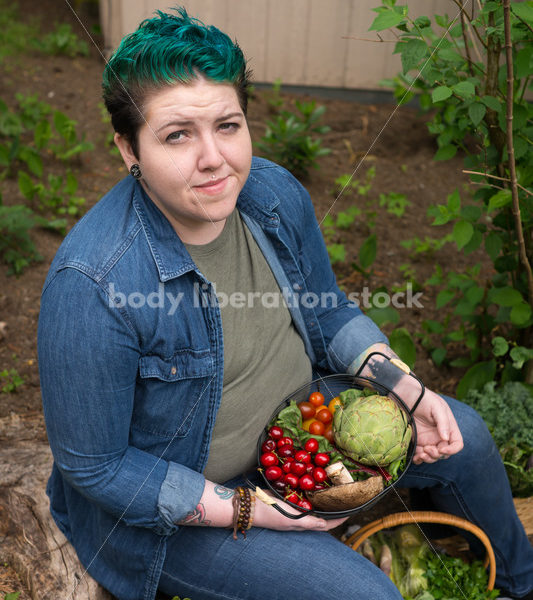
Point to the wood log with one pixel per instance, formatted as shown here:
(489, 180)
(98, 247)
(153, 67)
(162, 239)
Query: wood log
(30, 541)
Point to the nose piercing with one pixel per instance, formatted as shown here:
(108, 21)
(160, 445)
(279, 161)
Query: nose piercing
(213, 176)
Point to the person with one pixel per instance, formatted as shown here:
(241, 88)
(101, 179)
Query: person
(163, 352)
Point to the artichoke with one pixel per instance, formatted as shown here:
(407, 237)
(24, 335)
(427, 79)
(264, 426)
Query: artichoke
(371, 429)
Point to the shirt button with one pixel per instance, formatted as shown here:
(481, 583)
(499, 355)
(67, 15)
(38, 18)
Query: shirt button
(173, 371)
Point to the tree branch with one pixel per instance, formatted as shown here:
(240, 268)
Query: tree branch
(512, 168)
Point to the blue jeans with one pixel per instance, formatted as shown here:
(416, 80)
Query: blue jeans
(206, 563)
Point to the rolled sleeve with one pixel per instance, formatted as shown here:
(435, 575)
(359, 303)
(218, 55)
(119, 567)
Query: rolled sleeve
(180, 493)
(351, 341)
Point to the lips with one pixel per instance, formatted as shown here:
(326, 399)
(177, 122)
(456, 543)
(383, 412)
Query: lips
(213, 186)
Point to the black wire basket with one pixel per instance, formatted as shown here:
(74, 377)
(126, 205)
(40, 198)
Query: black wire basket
(331, 386)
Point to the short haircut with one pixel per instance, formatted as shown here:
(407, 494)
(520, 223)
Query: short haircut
(164, 50)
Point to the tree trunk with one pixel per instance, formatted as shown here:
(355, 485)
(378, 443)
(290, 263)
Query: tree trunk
(30, 542)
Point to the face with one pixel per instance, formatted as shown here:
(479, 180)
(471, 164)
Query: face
(195, 154)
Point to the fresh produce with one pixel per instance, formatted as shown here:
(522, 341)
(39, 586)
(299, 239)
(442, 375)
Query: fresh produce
(420, 573)
(302, 438)
(507, 412)
(292, 469)
(371, 429)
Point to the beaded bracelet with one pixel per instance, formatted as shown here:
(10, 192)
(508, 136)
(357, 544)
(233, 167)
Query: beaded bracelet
(243, 511)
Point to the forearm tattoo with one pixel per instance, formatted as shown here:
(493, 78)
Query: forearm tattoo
(224, 492)
(196, 517)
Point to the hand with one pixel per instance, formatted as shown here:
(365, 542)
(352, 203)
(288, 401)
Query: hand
(267, 516)
(438, 434)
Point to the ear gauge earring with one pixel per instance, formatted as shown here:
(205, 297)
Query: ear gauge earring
(135, 171)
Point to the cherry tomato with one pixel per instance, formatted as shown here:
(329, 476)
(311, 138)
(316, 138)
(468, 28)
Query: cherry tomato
(328, 433)
(276, 433)
(332, 406)
(298, 468)
(319, 474)
(268, 445)
(306, 424)
(302, 456)
(317, 428)
(306, 482)
(269, 459)
(307, 410)
(324, 415)
(321, 459)
(285, 441)
(305, 504)
(311, 445)
(285, 451)
(273, 473)
(291, 480)
(316, 399)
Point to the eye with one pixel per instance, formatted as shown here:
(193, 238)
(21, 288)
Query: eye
(176, 136)
(229, 127)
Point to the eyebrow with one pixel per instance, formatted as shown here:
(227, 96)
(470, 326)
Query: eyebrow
(187, 122)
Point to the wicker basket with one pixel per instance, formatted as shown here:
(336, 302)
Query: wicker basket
(404, 518)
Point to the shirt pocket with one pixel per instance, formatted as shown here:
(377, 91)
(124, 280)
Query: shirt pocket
(170, 390)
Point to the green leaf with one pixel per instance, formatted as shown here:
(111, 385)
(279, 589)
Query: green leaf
(446, 152)
(499, 346)
(499, 200)
(26, 186)
(476, 112)
(524, 10)
(462, 232)
(476, 377)
(506, 296)
(443, 297)
(493, 245)
(438, 355)
(368, 250)
(383, 316)
(492, 103)
(422, 22)
(413, 51)
(453, 202)
(520, 355)
(465, 89)
(385, 20)
(402, 343)
(440, 93)
(520, 313)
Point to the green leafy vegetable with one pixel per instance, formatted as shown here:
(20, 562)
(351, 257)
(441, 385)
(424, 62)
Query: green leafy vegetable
(507, 412)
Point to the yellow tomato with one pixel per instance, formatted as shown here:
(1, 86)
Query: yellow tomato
(333, 404)
(306, 423)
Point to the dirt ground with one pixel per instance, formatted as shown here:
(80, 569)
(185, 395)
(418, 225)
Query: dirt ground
(393, 141)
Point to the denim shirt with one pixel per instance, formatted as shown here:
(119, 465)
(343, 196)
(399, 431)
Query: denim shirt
(131, 364)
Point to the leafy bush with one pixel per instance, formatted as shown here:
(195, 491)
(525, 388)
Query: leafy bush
(16, 247)
(62, 40)
(291, 139)
(507, 412)
(459, 68)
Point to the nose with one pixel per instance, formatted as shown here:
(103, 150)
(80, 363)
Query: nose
(209, 154)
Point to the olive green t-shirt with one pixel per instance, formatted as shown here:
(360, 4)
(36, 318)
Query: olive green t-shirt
(264, 356)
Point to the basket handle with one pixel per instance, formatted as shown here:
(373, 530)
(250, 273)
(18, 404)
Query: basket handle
(403, 367)
(421, 516)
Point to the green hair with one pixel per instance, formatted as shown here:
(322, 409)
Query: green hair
(164, 50)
